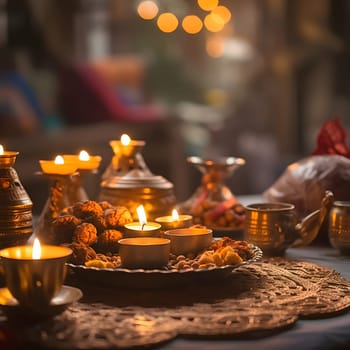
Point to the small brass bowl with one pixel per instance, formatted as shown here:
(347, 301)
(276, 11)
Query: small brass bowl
(189, 240)
(34, 282)
(144, 252)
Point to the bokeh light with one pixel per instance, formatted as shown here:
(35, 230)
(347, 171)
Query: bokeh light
(147, 9)
(167, 22)
(192, 24)
(215, 46)
(214, 22)
(208, 5)
(223, 12)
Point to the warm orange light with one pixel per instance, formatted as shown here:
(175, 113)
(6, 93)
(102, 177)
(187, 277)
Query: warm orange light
(208, 5)
(223, 12)
(1, 150)
(192, 24)
(141, 215)
(36, 252)
(147, 10)
(175, 215)
(84, 156)
(59, 160)
(125, 139)
(215, 47)
(167, 22)
(213, 22)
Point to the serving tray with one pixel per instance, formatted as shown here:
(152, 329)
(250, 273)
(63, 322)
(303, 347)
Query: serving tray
(157, 278)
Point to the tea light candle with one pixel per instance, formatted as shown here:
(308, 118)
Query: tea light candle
(34, 274)
(58, 166)
(142, 228)
(174, 221)
(84, 161)
(126, 146)
(7, 158)
(144, 252)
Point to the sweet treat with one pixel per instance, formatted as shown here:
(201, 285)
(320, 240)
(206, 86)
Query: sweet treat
(117, 217)
(108, 241)
(63, 228)
(85, 233)
(215, 214)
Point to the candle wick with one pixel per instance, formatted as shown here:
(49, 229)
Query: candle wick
(142, 226)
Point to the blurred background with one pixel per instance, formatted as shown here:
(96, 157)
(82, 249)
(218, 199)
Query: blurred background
(248, 78)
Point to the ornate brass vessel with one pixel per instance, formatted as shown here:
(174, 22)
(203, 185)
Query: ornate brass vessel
(128, 181)
(15, 204)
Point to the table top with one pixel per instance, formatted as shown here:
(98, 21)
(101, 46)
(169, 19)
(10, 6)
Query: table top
(328, 333)
(321, 333)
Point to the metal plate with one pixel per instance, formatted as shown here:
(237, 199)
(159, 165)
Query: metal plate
(157, 278)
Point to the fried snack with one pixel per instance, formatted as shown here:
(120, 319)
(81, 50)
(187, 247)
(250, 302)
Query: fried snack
(85, 233)
(63, 228)
(108, 240)
(241, 247)
(81, 253)
(117, 217)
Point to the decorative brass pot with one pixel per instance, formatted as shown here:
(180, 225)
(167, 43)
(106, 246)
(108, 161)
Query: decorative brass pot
(15, 205)
(128, 182)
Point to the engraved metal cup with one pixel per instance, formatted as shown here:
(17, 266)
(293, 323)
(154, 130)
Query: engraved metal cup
(274, 226)
(339, 226)
(270, 226)
(34, 282)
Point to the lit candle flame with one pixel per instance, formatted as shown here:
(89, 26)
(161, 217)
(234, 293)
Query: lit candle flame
(125, 139)
(59, 160)
(84, 156)
(1, 150)
(142, 215)
(36, 252)
(175, 215)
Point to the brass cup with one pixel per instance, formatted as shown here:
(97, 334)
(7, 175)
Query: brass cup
(270, 226)
(339, 226)
(189, 240)
(34, 282)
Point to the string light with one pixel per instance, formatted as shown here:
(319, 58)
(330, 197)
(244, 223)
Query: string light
(147, 9)
(208, 5)
(168, 22)
(213, 22)
(192, 24)
(223, 12)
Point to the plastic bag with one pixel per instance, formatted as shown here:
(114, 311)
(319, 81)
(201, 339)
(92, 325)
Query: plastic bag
(304, 183)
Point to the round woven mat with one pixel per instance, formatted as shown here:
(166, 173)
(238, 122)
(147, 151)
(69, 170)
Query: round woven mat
(256, 300)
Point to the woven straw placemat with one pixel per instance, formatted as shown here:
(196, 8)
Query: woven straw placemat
(258, 299)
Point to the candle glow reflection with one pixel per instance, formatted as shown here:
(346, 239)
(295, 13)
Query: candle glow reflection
(1, 150)
(125, 139)
(175, 215)
(141, 215)
(36, 252)
(84, 156)
(59, 160)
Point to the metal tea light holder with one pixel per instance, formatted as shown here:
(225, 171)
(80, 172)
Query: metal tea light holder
(15, 204)
(128, 181)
